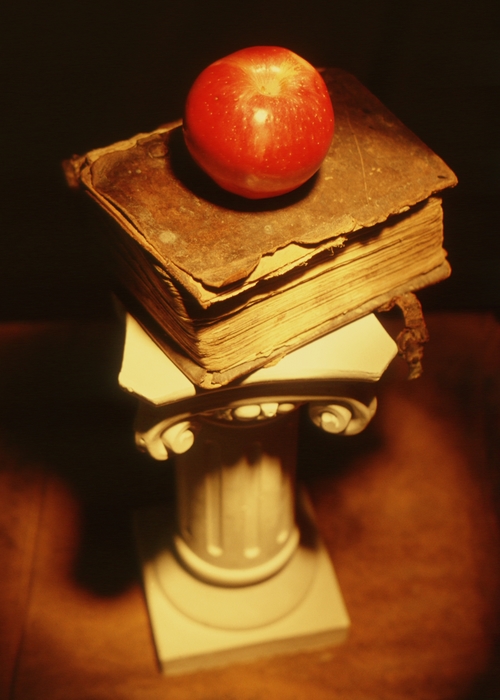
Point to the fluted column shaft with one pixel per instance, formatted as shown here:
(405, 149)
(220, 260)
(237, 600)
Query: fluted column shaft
(236, 517)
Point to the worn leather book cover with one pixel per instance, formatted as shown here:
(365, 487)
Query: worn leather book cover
(212, 253)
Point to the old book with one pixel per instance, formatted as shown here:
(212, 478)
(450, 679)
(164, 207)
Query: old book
(226, 285)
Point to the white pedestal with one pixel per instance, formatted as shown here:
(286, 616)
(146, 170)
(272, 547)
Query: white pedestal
(315, 619)
(239, 572)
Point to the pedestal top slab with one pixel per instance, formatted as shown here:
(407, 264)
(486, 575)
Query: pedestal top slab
(360, 351)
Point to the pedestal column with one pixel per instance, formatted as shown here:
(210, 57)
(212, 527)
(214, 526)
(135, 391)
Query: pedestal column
(241, 571)
(235, 500)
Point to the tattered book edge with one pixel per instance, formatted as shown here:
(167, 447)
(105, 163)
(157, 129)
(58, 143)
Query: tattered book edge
(206, 378)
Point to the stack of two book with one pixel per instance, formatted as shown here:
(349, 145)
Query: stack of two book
(225, 285)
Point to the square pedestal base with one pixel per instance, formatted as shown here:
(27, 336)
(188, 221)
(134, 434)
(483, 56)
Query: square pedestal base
(184, 645)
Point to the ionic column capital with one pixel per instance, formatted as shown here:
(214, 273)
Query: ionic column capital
(342, 415)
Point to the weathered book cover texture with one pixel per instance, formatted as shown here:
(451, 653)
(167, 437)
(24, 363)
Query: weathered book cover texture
(210, 255)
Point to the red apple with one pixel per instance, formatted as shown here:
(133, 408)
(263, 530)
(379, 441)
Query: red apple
(259, 121)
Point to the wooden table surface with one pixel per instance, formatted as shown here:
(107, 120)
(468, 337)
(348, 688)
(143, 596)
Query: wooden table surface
(408, 509)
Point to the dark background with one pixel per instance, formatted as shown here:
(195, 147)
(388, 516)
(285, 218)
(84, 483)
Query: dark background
(79, 75)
